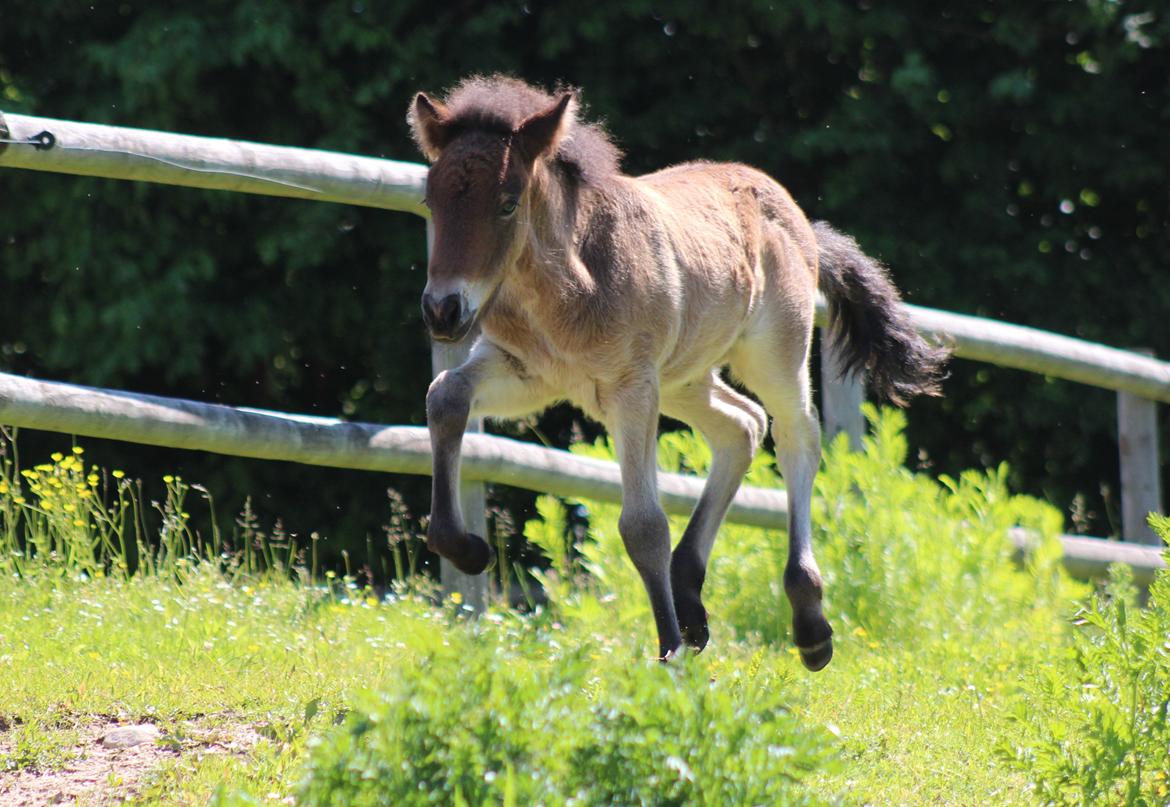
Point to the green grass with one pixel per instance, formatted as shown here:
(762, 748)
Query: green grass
(909, 727)
(331, 696)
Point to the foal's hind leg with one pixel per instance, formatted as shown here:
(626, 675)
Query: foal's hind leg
(777, 371)
(733, 426)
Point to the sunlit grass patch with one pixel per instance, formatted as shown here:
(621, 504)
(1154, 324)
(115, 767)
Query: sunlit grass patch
(933, 696)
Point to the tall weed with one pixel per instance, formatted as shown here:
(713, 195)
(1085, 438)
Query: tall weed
(1097, 725)
(904, 557)
(518, 719)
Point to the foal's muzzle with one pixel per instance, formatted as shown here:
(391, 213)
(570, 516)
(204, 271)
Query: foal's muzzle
(447, 318)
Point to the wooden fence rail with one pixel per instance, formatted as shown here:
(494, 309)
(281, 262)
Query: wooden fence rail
(241, 432)
(118, 152)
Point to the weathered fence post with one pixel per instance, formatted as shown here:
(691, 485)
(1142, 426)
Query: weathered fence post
(1141, 480)
(472, 588)
(841, 398)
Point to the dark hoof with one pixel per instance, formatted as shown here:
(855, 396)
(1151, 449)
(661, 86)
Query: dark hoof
(813, 638)
(692, 621)
(473, 555)
(686, 580)
(817, 657)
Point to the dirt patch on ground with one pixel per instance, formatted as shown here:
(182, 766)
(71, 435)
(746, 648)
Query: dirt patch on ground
(97, 774)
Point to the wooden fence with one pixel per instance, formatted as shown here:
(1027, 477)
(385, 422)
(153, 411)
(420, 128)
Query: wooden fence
(78, 148)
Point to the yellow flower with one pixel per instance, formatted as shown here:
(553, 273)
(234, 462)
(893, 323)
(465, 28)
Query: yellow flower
(77, 522)
(168, 479)
(44, 467)
(27, 474)
(46, 505)
(3, 487)
(456, 598)
(84, 493)
(56, 456)
(118, 474)
(68, 507)
(78, 450)
(93, 480)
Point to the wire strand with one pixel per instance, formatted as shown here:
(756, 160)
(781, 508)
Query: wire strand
(171, 163)
(193, 169)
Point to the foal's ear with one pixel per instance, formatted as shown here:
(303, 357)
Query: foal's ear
(543, 132)
(429, 124)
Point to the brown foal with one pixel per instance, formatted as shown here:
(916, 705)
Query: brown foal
(628, 296)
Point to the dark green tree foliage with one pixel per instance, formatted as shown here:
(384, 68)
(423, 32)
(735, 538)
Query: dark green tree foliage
(1006, 160)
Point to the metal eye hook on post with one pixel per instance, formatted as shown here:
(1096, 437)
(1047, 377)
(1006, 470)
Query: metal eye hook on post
(42, 141)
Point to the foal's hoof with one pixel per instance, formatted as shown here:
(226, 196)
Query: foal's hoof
(473, 555)
(818, 656)
(813, 638)
(692, 621)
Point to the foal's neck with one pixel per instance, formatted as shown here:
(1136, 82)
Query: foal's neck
(557, 210)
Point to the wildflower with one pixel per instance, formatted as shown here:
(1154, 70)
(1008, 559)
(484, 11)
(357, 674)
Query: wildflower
(168, 479)
(27, 474)
(92, 479)
(78, 522)
(456, 598)
(46, 505)
(18, 499)
(3, 487)
(118, 474)
(44, 468)
(56, 456)
(68, 507)
(78, 450)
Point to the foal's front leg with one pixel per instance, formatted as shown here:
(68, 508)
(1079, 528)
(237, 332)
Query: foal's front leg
(490, 382)
(632, 418)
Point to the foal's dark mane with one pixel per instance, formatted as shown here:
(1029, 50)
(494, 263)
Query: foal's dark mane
(497, 104)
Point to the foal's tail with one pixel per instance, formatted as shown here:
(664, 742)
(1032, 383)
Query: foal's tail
(868, 324)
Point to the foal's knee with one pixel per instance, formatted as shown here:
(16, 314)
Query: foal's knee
(449, 403)
(747, 439)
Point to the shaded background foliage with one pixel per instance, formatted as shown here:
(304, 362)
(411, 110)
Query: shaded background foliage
(1006, 160)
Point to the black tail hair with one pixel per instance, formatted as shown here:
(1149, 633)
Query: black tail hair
(868, 325)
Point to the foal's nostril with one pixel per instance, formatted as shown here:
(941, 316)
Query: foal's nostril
(442, 316)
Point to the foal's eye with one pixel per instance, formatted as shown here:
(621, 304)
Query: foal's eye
(508, 207)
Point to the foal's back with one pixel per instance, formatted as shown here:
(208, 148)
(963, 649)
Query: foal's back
(744, 253)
